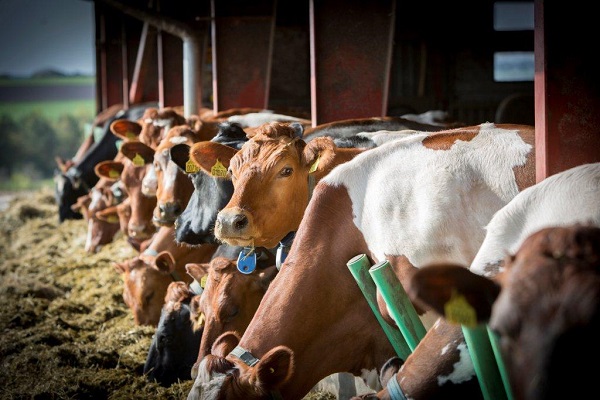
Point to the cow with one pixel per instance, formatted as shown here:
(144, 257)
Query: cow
(195, 225)
(173, 187)
(273, 175)
(133, 169)
(253, 120)
(563, 199)
(77, 180)
(147, 276)
(350, 127)
(411, 201)
(175, 344)
(544, 306)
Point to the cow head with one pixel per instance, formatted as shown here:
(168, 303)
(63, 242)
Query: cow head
(271, 175)
(175, 344)
(544, 308)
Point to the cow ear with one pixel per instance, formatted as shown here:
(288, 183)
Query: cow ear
(109, 215)
(275, 367)
(126, 129)
(212, 158)
(318, 154)
(180, 155)
(82, 202)
(121, 268)
(196, 270)
(109, 169)
(165, 262)
(225, 343)
(267, 276)
(454, 292)
(139, 153)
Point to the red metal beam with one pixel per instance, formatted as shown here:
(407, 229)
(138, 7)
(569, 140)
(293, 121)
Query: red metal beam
(242, 46)
(350, 58)
(567, 89)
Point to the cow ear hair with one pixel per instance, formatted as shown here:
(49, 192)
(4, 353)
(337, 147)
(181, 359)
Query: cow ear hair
(126, 129)
(225, 343)
(318, 153)
(275, 367)
(197, 270)
(438, 286)
(133, 150)
(165, 262)
(206, 154)
(109, 169)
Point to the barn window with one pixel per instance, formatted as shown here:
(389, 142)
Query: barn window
(517, 65)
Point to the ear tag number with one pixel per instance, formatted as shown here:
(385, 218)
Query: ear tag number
(190, 167)
(218, 170)
(459, 311)
(138, 160)
(315, 165)
(246, 262)
(203, 281)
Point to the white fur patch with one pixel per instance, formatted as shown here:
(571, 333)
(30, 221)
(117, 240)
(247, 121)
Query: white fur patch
(562, 199)
(431, 205)
(178, 139)
(257, 119)
(463, 368)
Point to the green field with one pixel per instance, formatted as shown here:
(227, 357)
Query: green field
(52, 110)
(41, 81)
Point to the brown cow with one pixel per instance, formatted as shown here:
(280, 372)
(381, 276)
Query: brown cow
(273, 176)
(411, 201)
(545, 307)
(147, 276)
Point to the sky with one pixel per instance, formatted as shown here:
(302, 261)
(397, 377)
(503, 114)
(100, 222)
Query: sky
(47, 34)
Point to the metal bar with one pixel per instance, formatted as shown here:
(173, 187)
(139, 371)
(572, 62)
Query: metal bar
(484, 361)
(399, 305)
(359, 267)
(500, 363)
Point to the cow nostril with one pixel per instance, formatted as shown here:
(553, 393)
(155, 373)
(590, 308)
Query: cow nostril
(240, 221)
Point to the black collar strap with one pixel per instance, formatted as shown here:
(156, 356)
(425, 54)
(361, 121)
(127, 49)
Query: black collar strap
(284, 248)
(250, 361)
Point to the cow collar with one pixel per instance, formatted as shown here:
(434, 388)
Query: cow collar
(284, 248)
(250, 361)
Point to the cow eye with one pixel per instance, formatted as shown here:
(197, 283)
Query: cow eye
(230, 173)
(286, 171)
(149, 297)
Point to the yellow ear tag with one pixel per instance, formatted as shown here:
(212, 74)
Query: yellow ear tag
(112, 219)
(315, 165)
(130, 135)
(113, 174)
(218, 170)
(200, 320)
(203, 281)
(138, 160)
(459, 311)
(190, 167)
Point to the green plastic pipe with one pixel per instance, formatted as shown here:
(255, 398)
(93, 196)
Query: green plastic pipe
(359, 267)
(500, 363)
(399, 305)
(484, 362)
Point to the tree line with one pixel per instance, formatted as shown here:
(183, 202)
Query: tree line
(29, 145)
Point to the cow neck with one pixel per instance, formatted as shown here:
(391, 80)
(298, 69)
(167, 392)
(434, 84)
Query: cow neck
(247, 358)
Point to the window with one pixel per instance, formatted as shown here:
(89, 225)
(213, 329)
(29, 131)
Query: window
(513, 66)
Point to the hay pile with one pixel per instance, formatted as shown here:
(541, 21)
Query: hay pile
(65, 332)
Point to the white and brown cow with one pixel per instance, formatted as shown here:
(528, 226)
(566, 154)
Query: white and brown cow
(412, 201)
(544, 305)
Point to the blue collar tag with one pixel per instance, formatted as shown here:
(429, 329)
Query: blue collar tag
(246, 262)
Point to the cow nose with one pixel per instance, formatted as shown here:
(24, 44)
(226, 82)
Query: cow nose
(169, 210)
(240, 221)
(232, 221)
